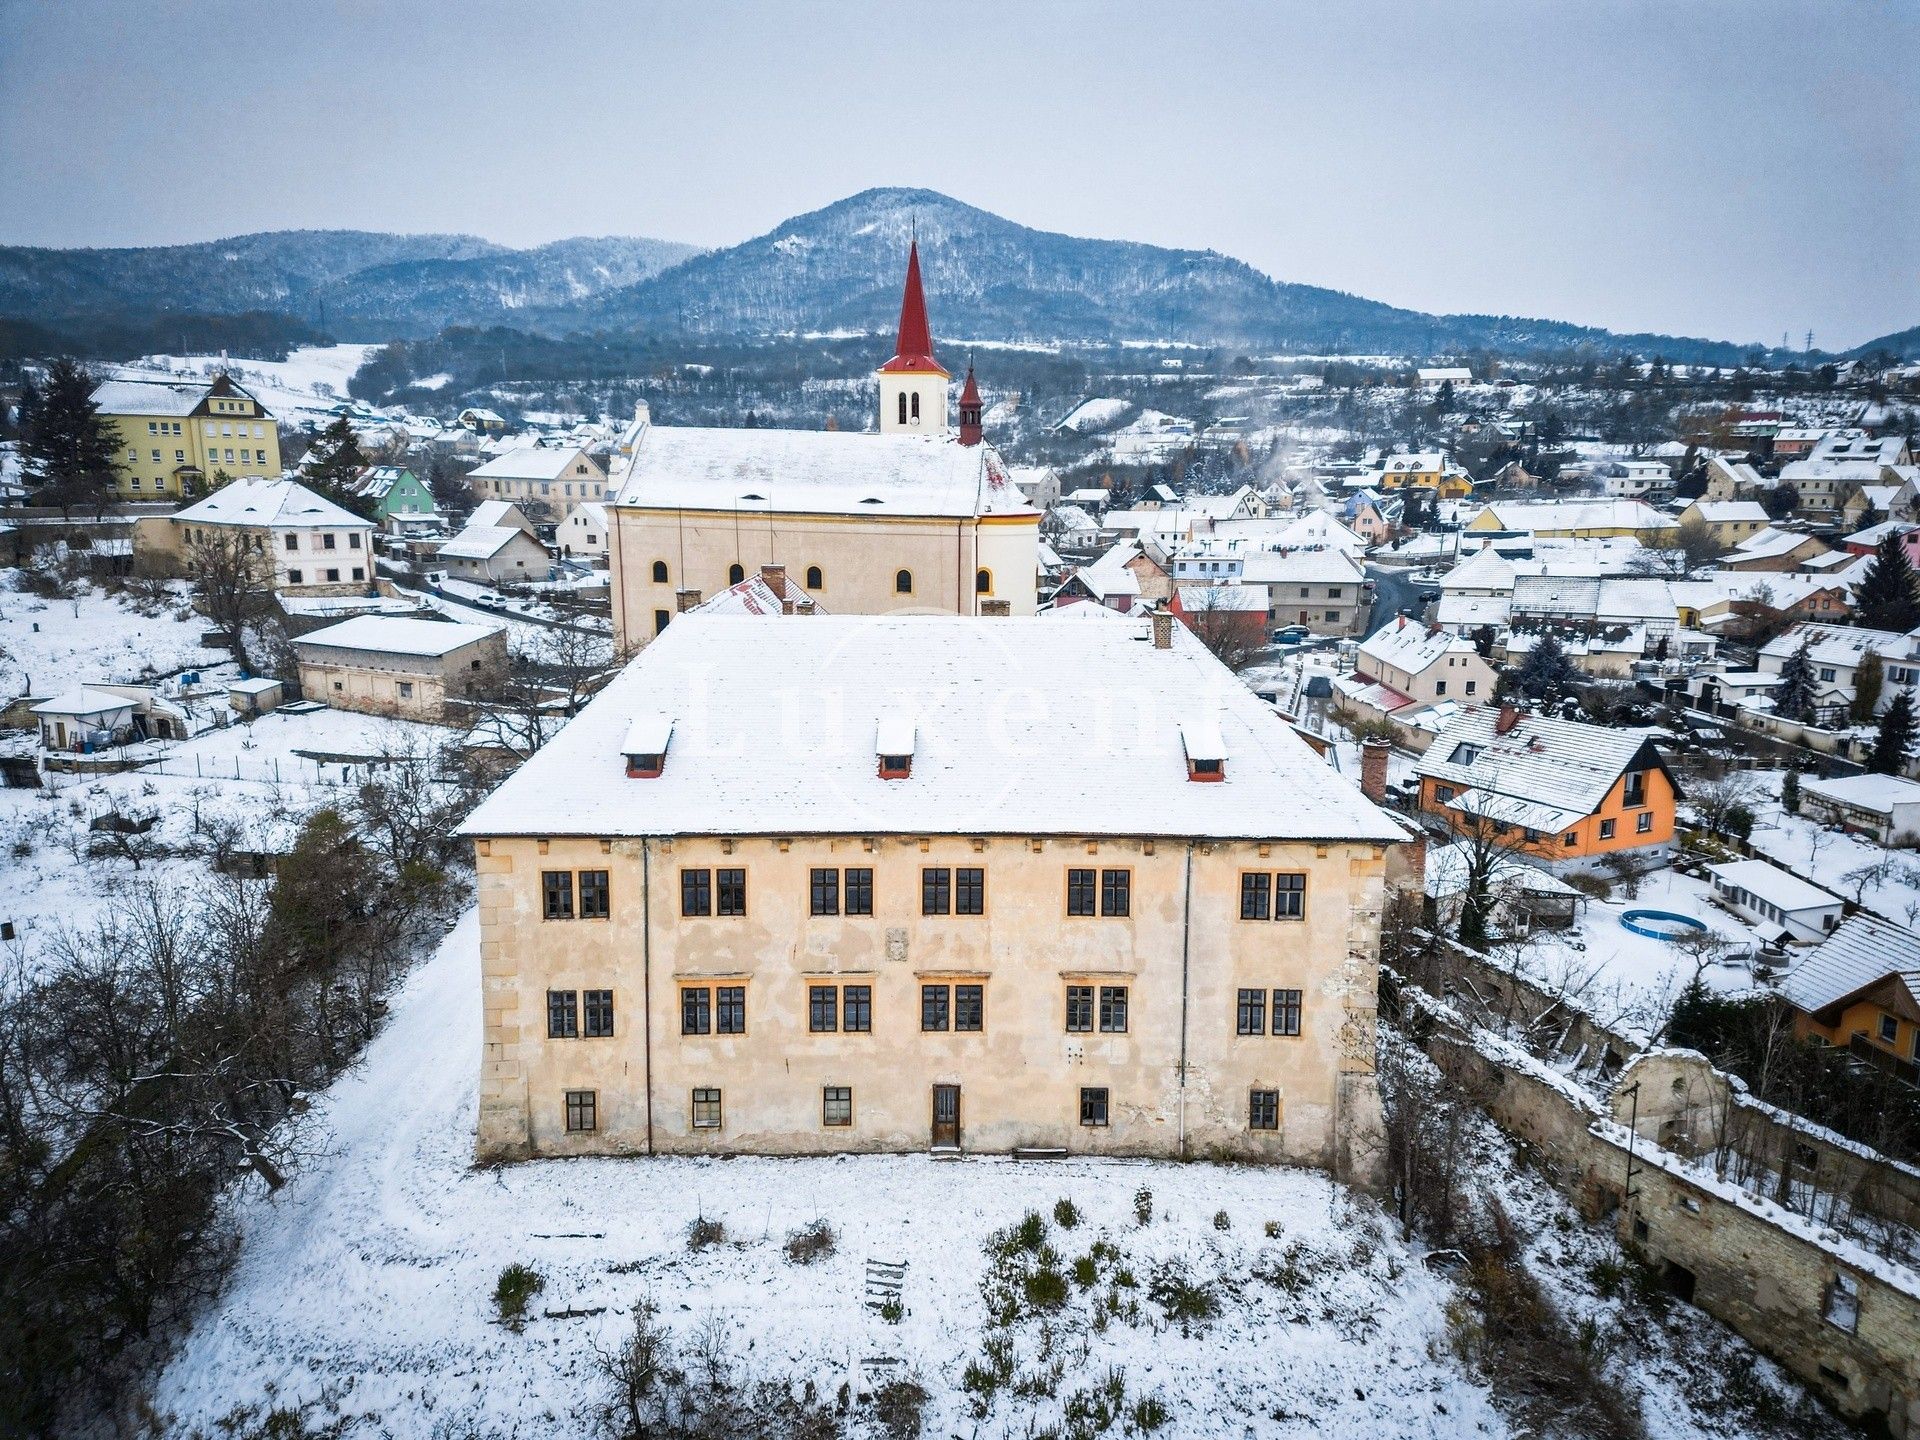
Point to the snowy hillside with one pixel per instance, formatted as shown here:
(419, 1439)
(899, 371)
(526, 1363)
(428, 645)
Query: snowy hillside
(300, 389)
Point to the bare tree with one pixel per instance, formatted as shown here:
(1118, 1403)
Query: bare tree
(1219, 620)
(232, 582)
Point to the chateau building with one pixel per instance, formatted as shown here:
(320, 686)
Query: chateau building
(808, 885)
(919, 518)
(173, 438)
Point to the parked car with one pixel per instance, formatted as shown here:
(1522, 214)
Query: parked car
(1291, 635)
(492, 602)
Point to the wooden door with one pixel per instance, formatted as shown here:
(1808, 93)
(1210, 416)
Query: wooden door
(946, 1116)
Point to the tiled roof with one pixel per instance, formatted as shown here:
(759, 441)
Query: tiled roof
(1563, 764)
(1863, 951)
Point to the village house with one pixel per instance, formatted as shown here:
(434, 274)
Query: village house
(1770, 549)
(1122, 579)
(172, 438)
(1592, 605)
(1635, 479)
(1324, 590)
(1560, 792)
(1886, 807)
(546, 482)
(1727, 521)
(1861, 989)
(1867, 504)
(1836, 653)
(390, 665)
(496, 546)
(403, 505)
(1732, 480)
(1428, 470)
(481, 421)
(1785, 908)
(307, 544)
(97, 716)
(1425, 664)
(584, 531)
(1823, 486)
(917, 518)
(885, 922)
(1571, 519)
(1867, 541)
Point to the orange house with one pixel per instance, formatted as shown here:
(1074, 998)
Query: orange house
(1860, 988)
(1567, 793)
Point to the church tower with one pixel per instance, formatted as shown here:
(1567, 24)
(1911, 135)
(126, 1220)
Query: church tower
(913, 386)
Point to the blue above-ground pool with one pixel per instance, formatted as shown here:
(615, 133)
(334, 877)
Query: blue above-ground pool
(1660, 924)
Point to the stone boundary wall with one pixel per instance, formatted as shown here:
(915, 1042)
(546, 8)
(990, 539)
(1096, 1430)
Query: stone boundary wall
(1773, 1275)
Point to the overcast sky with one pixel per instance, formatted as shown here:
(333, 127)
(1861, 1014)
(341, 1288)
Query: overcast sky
(1735, 170)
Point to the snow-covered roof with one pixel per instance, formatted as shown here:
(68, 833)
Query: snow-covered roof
(1566, 515)
(1729, 512)
(258, 685)
(489, 514)
(740, 768)
(1450, 869)
(1200, 737)
(1300, 567)
(271, 504)
(649, 733)
(536, 462)
(1861, 952)
(754, 596)
(1412, 647)
(1788, 893)
(394, 635)
(832, 472)
(1564, 765)
(1769, 544)
(1109, 575)
(83, 700)
(1622, 600)
(1840, 644)
(894, 732)
(1878, 793)
(173, 398)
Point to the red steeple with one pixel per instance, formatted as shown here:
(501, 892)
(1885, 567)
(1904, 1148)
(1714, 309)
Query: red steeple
(970, 431)
(913, 350)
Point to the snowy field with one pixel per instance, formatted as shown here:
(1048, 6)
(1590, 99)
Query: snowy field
(1890, 884)
(297, 389)
(50, 645)
(364, 1288)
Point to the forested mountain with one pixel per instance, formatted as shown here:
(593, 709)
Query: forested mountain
(833, 270)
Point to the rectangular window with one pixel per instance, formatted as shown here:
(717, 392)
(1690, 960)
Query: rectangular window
(1256, 895)
(1889, 1029)
(563, 1015)
(333, 575)
(730, 1010)
(856, 1015)
(969, 1007)
(1286, 1012)
(860, 890)
(1289, 897)
(732, 887)
(1080, 892)
(556, 888)
(936, 892)
(353, 541)
(1116, 892)
(1263, 1110)
(706, 1109)
(583, 1108)
(969, 891)
(825, 892)
(293, 577)
(934, 1002)
(696, 1010)
(329, 541)
(599, 1014)
(595, 903)
(836, 1105)
(1606, 829)
(1643, 823)
(1113, 1009)
(1093, 1105)
(823, 1008)
(696, 892)
(1079, 1008)
(1252, 1015)
(293, 542)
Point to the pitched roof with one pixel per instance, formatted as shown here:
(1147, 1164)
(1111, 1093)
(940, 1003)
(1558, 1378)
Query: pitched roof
(1562, 764)
(174, 398)
(753, 596)
(1774, 885)
(913, 344)
(83, 700)
(483, 542)
(534, 462)
(1411, 647)
(1562, 515)
(1770, 543)
(272, 504)
(1878, 793)
(775, 726)
(1840, 644)
(1861, 952)
(1300, 567)
(1724, 512)
(396, 635)
(831, 472)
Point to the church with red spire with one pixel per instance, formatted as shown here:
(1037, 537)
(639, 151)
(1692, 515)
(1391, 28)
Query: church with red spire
(921, 517)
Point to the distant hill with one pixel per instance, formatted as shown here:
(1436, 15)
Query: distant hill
(1902, 344)
(358, 284)
(833, 270)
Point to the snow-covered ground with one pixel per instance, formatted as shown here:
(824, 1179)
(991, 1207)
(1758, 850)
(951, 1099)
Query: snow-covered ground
(299, 389)
(1834, 859)
(364, 1288)
(50, 645)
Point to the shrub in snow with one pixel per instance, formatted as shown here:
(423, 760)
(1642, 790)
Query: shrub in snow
(1065, 1213)
(1272, 1229)
(1045, 1288)
(811, 1242)
(1222, 1220)
(892, 1311)
(1086, 1273)
(1143, 1206)
(1030, 1233)
(703, 1232)
(517, 1285)
(1149, 1413)
(1173, 1288)
(898, 1406)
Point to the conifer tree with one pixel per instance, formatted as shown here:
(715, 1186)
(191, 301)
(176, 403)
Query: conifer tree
(1867, 683)
(1547, 673)
(334, 462)
(1794, 699)
(1887, 597)
(67, 444)
(1790, 793)
(1894, 742)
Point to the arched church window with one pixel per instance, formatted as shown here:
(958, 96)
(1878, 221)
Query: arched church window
(903, 407)
(983, 582)
(659, 572)
(903, 583)
(916, 404)
(735, 574)
(814, 580)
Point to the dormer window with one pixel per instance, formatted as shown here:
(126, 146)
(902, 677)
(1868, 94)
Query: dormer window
(893, 742)
(646, 746)
(1206, 751)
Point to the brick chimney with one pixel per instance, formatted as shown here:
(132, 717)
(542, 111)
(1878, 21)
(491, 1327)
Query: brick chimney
(1373, 770)
(1162, 629)
(1509, 717)
(996, 607)
(775, 577)
(803, 607)
(686, 599)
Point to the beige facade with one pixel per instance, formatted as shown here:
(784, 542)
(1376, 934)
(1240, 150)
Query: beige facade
(849, 564)
(545, 482)
(173, 438)
(413, 683)
(307, 545)
(1182, 956)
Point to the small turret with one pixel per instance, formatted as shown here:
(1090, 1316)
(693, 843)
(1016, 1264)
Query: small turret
(970, 431)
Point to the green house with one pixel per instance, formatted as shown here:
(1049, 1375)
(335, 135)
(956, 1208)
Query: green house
(401, 498)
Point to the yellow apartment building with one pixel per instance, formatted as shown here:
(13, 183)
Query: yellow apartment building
(172, 437)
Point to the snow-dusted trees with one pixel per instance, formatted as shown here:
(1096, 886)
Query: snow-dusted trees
(1793, 700)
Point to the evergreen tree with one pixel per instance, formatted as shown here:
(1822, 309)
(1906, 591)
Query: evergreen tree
(1887, 597)
(1443, 401)
(332, 465)
(1867, 683)
(1794, 699)
(1790, 793)
(67, 443)
(1894, 742)
(1547, 673)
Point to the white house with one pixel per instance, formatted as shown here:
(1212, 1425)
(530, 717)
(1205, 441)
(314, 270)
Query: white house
(315, 546)
(584, 532)
(1886, 807)
(557, 478)
(1837, 652)
(1784, 906)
